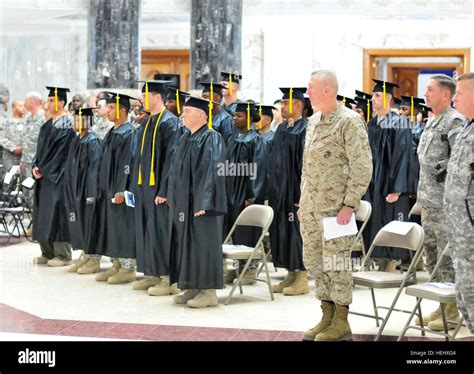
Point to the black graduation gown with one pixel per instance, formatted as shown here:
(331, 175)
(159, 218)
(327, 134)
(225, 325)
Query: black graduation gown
(391, 148)
(80, 183)
(196, 242)
(284, 192)
(116, 223)
(223, 123)
(241, 150)
(151, 220)
(267, 139)
(50, 221)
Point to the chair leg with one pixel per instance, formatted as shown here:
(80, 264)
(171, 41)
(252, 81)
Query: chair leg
(376, 313)
(385, 320)
(443, 317)
(456, 330)
(412, 314)
(420, 316)
(269, 283)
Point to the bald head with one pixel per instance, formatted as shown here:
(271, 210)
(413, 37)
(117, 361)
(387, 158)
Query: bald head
(322, 90)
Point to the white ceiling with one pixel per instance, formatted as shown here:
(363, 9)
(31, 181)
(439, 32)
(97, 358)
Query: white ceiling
(48, 15)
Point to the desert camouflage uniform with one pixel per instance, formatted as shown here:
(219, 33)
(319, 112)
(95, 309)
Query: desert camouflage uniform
(337, 169)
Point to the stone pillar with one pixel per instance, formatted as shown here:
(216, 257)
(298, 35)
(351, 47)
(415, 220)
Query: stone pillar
(216, 38)
(113, 44)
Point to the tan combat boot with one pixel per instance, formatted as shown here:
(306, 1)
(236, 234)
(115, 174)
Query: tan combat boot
(41, 260)
(163, 288)
(82, 260)
(452, 315)
(102, 277)
(229, 276)
(56, 262)
(289, 279)
(145, 283)
(251, 273)
(204, 299)
(185, 297)
(123, 276)
(90, 267)
(391, 266)
(339, 328)
(427, 319)
(328, 313)
(299, 286)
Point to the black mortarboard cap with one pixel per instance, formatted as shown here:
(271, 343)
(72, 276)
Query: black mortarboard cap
(407, 101)
(297, 94)
(226, 77)
(266, 110)
(389, 86)
(347, 101)
(173, 91)
(59, 92)
(156, 86)
(362, 95)
(86, 112)
(216, 87)
(197, 102)
(123, 98)
(396, 102)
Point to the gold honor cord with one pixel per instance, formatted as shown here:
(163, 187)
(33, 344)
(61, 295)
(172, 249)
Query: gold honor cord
(177, 101)
(230, 84)
(412, 110)
(152, 166)
(384, 95)
(147, 105)
(260, 112)
(141, 152)
(56, 99)
(117, 108)
(211, 107)
(248, 116)
(291, 100)
(80, 120)
(368, 110)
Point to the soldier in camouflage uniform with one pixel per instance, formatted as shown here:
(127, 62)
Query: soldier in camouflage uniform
(459, 201)
(337, 169)
(434, 151)
(34, 119)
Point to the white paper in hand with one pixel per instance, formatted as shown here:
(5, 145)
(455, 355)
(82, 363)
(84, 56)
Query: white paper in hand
(332, 230)
(129, 199)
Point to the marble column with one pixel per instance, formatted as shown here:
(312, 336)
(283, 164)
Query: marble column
(113, 43)
(216, 38)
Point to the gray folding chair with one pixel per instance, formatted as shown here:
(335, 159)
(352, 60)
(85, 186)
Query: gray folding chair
(255, 215)
(415, 210)
(362, 215)
(412, 241)
(431, 292)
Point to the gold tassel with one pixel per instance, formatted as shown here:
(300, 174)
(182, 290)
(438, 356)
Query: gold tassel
(230, 83)
(152, 165)
(291, 100)
(146, 96)
(141, 152)
(80, 120)
(368, 110)
(56, 99)
(260, 112)
(343, 101)
(248, 116)
(384, 95)
(412, 110)
(177, 101)
(117, 107)
(209, 120)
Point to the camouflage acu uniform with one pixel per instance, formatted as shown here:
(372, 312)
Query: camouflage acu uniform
(459, 219)
(337, 168)
(433, 153)
(9, 140)
(102, 126)
(33, 124)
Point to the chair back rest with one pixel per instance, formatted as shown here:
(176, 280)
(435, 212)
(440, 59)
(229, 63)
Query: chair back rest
(256, 215)
(364, 212)
(412, 240)
(415, 211)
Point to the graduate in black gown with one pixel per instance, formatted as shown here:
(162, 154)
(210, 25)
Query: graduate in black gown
(363, 105)
(231, 83)
(264, 128)
(197, 199)
(246, 178)
(80, 186)
(50, 222)
(116, 221)
(388, 192)
(285, 190)
(222, 121)
(155, 146)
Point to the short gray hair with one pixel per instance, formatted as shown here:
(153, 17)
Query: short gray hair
(445, 81)
(328, 76)
(466, 77)
(36, 96)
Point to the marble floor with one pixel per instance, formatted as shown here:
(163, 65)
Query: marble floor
(42, 303)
